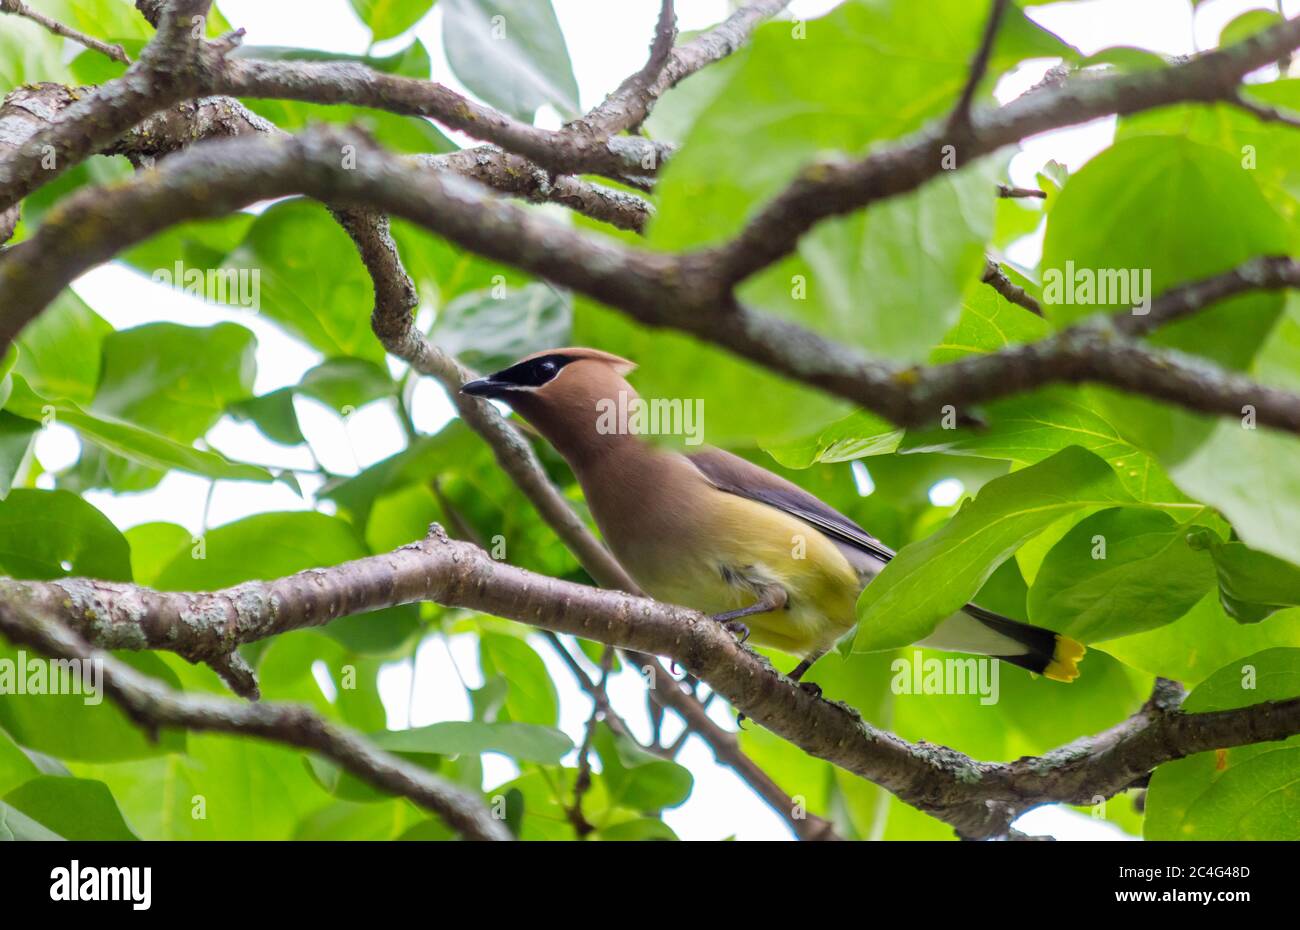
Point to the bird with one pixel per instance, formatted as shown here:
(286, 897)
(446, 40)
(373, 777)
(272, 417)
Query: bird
(709, 530)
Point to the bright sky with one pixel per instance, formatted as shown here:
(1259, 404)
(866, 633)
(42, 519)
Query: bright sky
(606, 41)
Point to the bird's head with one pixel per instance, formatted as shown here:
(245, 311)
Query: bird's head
(562, 393)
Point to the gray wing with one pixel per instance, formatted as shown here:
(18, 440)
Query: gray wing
(735, 475)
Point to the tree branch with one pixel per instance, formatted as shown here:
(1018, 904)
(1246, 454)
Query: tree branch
(154, 706)
(997, 279)
(1269, 273)
(18, 8)
(658, 289)
(960, 118)
(979, 799)
(170, 69)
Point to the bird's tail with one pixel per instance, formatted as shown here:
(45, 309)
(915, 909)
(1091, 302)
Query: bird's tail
(1030, 647)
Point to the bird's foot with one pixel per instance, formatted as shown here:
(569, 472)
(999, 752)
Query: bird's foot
(740, 630)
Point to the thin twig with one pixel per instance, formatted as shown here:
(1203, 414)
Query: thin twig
(960, 117)
(18, 8)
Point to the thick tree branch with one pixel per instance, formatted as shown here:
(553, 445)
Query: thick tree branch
(658, 289)
(169, 69)
(155, 706)
(18, 8)
(979, 799)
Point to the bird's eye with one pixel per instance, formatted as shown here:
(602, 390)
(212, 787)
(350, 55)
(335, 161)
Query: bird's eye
(547, 366)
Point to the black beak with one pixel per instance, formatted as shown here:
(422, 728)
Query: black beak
(486, 387)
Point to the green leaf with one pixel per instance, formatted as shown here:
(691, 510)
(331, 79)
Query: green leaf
(1217, 637)
(521, 741)
(346, 384)
(55, 534)
(388, 18)
(1030, 427)
(273, 413)
(1247, 24)
(510, 54)
(153, 546)
(29, 54)
(1252, 585)
(59, 351)
(489, 332)
(856, 436)
(75, 808)
(175, 380)
(15, 825)
(1120, 571)
(15, 766)
(79, 722)
(930, 579)
(1244, 793)
(311, 280)
(16, 436)
(346, 820)
(1249, 475)
(1160, 189)
(132, 442)
(637, 779)
(198, 244)
(532, 697)
(988, 323)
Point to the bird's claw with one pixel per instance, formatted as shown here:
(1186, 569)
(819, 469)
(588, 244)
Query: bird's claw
(738, 628)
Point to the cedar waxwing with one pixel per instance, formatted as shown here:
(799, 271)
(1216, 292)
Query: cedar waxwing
(714, 532)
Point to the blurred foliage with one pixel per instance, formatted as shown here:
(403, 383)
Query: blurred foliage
(1200, 577)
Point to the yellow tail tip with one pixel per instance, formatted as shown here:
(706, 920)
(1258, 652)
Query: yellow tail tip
(1065, 660)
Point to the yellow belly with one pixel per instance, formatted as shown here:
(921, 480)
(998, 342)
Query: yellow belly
(756, 545)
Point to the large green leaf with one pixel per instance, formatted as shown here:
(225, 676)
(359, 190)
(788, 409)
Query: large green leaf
(1171, 191)
(59, 351)
(388, 18)
(929, 580)
(1028, 428)
(28, 55)
(531, 697)
(175, 381)
(16, 435)
(1120, 571)
(74, 808)
(131, 442)
(85, 725)
(1245, 793)
(312, 282)
(56, 534)
(1217, 639)
(521, 741)
(1252, 585)
(511, 54)
(637, 779)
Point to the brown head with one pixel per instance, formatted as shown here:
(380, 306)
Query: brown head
(563, 393)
